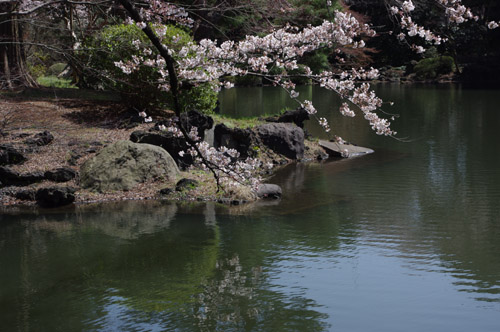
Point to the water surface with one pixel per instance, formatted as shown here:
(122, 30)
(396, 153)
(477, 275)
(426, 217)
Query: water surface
(405, 239)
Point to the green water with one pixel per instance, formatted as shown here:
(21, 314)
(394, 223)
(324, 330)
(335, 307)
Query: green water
(405, 239)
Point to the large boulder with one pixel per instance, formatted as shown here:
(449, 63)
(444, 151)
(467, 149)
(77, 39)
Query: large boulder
(124, 164)
(173, 145)
(234, 138)
(283, 138)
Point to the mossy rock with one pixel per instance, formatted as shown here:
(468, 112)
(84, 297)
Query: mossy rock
(56, 69)
(123, 165)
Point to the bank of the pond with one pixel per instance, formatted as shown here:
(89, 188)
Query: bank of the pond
(44, 142)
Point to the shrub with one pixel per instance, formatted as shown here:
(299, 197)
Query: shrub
(37, 70)
(433, 67)
(140, 88)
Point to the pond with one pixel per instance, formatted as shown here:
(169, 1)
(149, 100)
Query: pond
(405, 239)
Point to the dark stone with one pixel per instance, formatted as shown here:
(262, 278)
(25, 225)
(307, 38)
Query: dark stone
(13, 178)
(166, 191)
(73, 158)
(62, 174)
(297, 116)
(130, 119)
(226, 201)
(284, 139)
(266, 190)
(9, 155)
(55, 196)
(25, 194)
(21, 135)
(197, 119)
(186, 184)
(173, 145)
(40, 139)
(234, 138)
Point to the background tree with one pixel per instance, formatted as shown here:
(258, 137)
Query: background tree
(13, 69)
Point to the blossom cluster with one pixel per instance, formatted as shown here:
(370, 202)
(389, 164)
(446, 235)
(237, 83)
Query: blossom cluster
(455, 12)
(226, 163)
(207, 61)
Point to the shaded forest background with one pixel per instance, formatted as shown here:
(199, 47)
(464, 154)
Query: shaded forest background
(49, 44)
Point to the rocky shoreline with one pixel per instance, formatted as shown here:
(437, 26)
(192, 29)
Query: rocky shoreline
(83, 155)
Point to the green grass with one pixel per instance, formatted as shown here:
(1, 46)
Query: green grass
(249, 122)
(55, 82)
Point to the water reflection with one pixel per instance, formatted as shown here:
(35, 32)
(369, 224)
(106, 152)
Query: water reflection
(404, 239)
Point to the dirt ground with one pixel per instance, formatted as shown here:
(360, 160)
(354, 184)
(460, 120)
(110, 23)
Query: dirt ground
(80, 128)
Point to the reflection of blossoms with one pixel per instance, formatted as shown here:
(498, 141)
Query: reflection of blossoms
(227, 298)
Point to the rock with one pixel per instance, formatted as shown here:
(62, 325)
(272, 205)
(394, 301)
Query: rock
(73, 157)
(13, 178)
(21, 135)
(9, 155)
(343, 150)
(234, 138)
(55, 196)
(40, 139)
(266, 190)
(25, 194)
(166, 191)
(63, 174)
(122, 165)
(173, 145)
(186, 184)
(282, 138)
(197, 119)
(297, 116)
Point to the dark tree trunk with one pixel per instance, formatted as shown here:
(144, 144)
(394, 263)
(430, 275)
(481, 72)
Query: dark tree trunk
(13, 70)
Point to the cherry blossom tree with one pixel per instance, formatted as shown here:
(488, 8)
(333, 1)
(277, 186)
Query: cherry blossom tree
(210, 61)
(274, 57)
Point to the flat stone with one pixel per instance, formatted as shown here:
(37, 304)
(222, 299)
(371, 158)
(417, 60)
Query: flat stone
(343, 150)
